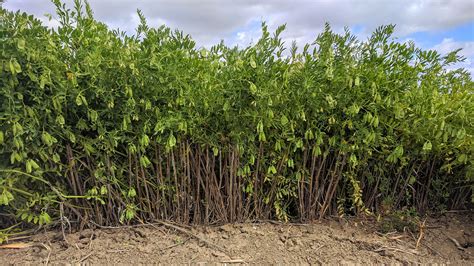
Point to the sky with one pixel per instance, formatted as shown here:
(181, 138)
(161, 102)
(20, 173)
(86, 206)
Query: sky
(443, 25)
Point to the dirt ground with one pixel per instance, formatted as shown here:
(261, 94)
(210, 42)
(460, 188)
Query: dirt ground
(446, 239)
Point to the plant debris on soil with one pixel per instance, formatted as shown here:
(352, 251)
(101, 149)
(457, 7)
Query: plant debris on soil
(446, 239)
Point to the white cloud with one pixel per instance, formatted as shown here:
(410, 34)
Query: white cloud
(241, 36)
(449, 45)
(208, 21)
(248, 35)
(50, 23)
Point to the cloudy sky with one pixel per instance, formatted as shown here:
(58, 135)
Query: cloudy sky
(443, 25)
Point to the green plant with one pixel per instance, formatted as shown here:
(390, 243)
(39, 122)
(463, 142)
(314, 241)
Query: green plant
(400, 221)
(119, 128)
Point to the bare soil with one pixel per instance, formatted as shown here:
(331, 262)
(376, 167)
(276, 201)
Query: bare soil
(446, 239)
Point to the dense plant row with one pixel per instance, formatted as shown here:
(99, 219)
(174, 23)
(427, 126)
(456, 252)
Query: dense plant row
(96, 125)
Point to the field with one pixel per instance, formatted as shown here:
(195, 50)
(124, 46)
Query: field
(99, 128)
(330, 241)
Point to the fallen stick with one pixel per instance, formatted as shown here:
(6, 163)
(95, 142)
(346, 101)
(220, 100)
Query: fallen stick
(16, 246)
(21, 245)
(175, 245)
(85, 257)
(184, 231)
(49, 254)
(396, 237)
(434, 250)
(278, 222)
(396, 249)
(456, 243)
(19, 238)
(233, 261)
(422, 233)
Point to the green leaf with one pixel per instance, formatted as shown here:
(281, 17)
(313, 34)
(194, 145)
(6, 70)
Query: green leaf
(144, 161)
(21, 44)
(44, 218)
(42, 81)
(56, 158)
(34, 164)
(375, 121)
(145, 141)
(290, 163)
(396, 154)
(317, 151)
(462, 158)
(309, 134)
(427, 146)
(271, 170)
(78, 100)
(278, 145)
(353, 160)
(284, 120)
(131, 193)
(60, 120)
(28, 167)
(93, 115)
(6, 197)
(260, 127)
(83, 100)
(461, 133)
(253, 88)
(171, 141)
(129, 213)
(103, 190)
(252, 62)
(15, 67)
(47, 138)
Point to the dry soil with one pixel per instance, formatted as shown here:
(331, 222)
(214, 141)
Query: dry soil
(446, 239)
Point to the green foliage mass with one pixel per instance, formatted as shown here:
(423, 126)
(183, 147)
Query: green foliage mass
(97, 125)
